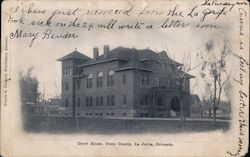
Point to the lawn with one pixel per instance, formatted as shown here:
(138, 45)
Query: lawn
(118, 126)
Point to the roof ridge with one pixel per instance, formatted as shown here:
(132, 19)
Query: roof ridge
(74, 55)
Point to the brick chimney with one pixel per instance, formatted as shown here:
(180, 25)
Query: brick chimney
(95, 53)
(106, 51)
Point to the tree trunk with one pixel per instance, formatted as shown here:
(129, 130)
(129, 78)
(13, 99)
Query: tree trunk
(182, 106)
(229, 110)
(214, 103)
(201, 110)
(154, 104)
(209, 110)
(77, 122)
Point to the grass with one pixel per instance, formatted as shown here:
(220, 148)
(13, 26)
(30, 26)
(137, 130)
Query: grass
(70, 125)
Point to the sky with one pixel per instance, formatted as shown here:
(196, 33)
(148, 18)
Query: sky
(47, 69)
(43, 54)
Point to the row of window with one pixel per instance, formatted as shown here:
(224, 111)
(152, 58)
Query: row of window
(66, 71)
(112, 114)
(99, 80)
(144, 80)
(99, 100)
(144, 100)
(101, 114)
(168, 83)
(144, 115)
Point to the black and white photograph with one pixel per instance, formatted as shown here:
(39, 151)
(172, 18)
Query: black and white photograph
(125, 78)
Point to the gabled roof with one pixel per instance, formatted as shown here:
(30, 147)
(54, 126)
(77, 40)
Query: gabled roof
(75, 55)
(93, 62)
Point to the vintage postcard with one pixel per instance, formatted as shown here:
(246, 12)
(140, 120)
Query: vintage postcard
(124, 78)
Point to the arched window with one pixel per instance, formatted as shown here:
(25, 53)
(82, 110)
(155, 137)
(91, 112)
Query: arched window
(89, 80)
(110, 79)
(99, 79)
(156, 81)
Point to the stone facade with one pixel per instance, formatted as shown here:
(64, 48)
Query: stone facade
(121, 83)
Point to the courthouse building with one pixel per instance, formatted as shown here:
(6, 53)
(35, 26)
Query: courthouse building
(122, 83)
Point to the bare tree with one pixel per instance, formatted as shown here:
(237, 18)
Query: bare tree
(59, 93)
(215, 63)
(29, 92)
(180, 74)
(227, 89)
(208, 98)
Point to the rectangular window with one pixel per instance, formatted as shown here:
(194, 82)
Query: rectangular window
(97, 101)
(109, 80)
(91, 101)
(112, 100)
(63, 70)
(141, 101)
(124, 79)
(168, 83)
(108, 100)
(101, 100)
(141, 80)
(66, 70)
(124, 99)
(69, 71)
(78, 85)
(79, 102)
(146, 100)
(146, 80)
(66, 86)
(66, 102)
(87, 101)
